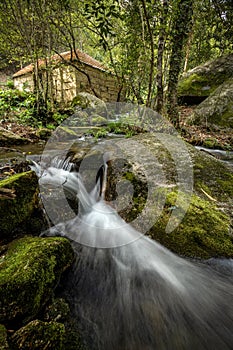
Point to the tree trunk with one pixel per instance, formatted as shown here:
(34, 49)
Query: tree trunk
(180, 29)
(161, 45)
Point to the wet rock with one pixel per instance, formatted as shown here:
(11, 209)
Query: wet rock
(31, 268)
(18, 209)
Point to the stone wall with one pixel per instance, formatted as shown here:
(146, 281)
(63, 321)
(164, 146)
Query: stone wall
(24, 82)
(66, 81)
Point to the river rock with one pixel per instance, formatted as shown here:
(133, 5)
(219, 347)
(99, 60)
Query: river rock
(217, 109)
(148, 179)
(17, 209)
(201, 81)
(31, 268)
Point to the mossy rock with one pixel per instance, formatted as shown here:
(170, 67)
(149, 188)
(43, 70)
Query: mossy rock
(80, 118)
(58, 310)
(206, 227)
(8, 138)
(98, 120)
(65, 133)
(3, 338)
(204, 79)
(213, 176)
(16, 211)
(30, 270)
(203, 232)
(90, 103)
(39, 335)
(217, 109)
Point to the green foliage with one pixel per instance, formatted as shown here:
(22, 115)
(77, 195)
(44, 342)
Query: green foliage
(21, 106)
(20, 102)
(123, 34)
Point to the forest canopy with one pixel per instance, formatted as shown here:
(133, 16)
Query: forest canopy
(146, 43)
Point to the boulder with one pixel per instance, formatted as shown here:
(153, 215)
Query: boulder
(31, 268)
(17, 209)
(201, 81)
(90, 103)
(148, 179)
(217, 109)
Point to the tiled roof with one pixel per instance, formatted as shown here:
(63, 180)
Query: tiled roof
(83, 57)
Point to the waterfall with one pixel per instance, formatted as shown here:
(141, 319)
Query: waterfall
(136, 295)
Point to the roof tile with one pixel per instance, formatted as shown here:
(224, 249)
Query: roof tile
(83, 57)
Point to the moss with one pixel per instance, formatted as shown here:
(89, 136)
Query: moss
(194, 85)
(212, 173)
(38, 335)
(203, 233)
(204, 79)
(30, 270)
(226, 118)
(3, 338)
(67, 130)
(58, 310)
(13, 212)
(97, 119)
(227, 185)
(210, 143)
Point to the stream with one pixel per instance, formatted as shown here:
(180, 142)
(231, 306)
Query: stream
(127, 291)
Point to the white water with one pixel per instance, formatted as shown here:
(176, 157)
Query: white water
(138, 296)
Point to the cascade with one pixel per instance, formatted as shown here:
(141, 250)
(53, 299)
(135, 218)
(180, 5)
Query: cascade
(136, 295)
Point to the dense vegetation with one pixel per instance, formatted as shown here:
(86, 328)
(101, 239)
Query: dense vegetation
(148, 44)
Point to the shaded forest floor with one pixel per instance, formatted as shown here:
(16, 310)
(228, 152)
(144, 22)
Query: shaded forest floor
(199, 135)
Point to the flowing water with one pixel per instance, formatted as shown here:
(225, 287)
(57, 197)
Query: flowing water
(138, 295)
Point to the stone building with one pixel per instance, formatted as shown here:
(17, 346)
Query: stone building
(64, 76)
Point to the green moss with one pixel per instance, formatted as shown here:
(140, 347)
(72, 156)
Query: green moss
(13, 212)
(226, 118)
(203, 233)
(204, 79)
(97, 119)
(227, 185)
(194, 85)
(212, 173)
(67, 130)
(58, 310)
(30, 270)
(38, 335)
(3, 338)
